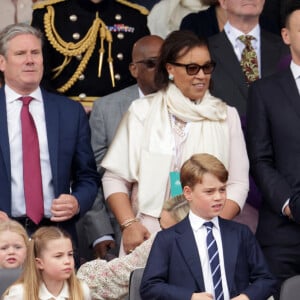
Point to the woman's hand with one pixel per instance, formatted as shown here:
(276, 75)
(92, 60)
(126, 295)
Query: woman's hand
(134, 235)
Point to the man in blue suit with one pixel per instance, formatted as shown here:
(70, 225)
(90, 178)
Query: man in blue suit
(67, 166)
(181, 265)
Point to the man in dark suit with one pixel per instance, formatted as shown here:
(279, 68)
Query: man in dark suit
(105, 117)
(225, 48)
(88, 45)
(69, 180)
(274, 145)
(205, 256)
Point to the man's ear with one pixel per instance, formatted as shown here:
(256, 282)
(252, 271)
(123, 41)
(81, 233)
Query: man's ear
(133, 70)
(285, 36)
(2, 63)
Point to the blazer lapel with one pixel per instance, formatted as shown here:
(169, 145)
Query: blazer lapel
(4, 140)
(187, 245)
(52, 127)
(230, 248)
(221, 48)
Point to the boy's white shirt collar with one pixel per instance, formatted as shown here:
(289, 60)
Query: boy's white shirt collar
(197, 222)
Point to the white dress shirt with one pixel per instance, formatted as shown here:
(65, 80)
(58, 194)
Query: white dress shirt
(36, 107)
(233, 35)
(200, 233)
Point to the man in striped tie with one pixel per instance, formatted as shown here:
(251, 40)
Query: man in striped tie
(205, 256)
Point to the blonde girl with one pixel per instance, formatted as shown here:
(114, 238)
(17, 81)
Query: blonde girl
(49, 269)
(13, 244)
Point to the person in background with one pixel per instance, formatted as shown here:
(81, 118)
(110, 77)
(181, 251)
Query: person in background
(13, 244)
(48, 173)
(159, 132)
(230, 82)
(206, 22)
(274, 156)
(15, 11)
(205, 256)
(49, 269)
(166, 15)
(105, 117)
(111, 279)
(88, 45)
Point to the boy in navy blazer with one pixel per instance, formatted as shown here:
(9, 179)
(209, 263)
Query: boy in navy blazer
(179, 266)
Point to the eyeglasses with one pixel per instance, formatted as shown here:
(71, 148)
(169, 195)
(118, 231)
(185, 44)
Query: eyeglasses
(193, 69)
(150, 63)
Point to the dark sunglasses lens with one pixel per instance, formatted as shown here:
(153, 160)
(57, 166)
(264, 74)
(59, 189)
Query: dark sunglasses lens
(208, 68)
(192, 69)
(150, 64)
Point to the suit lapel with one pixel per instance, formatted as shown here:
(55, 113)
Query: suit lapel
(187, 245)
(221, 48)
(230, 248)
(52, 127)
(289, 87)
(4, 140)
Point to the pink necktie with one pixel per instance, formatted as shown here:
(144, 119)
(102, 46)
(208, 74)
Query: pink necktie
(33, 189)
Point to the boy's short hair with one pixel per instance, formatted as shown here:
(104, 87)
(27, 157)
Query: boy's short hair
(193, 169)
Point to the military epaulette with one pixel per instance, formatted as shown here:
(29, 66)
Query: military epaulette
(42, 3)
(143, 10)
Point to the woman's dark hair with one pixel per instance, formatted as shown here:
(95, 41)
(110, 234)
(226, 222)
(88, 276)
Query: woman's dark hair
(174, 44)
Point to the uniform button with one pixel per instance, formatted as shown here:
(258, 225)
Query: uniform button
(120, 35)
(79, 57)
(118, 17)
(73, 18)
(76, 36)
(81, 77)
(82, 96)
(117, 76)
(120, 56)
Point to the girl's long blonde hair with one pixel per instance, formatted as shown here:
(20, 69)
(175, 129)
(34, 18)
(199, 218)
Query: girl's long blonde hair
(31, 277)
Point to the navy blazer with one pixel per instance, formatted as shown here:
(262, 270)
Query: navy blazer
(71, 157)
(173, 270)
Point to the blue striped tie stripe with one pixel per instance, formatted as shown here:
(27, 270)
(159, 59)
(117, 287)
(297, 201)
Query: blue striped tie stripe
(214, 261)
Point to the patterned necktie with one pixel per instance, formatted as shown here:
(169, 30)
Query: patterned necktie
(214, 261)
(249, 62)
(33, 189)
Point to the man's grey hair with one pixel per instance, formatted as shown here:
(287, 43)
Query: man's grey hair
(13, 30)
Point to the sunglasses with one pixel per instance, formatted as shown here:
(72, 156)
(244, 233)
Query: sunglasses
(150, 63)
(193, 69)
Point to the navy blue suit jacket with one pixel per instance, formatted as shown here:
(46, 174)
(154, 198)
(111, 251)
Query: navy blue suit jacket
(71, 156)
(173, 270)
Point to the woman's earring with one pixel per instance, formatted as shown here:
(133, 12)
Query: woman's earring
(171, 77)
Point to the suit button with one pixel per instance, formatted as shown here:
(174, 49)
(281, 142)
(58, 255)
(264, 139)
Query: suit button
(120, 56)
(82, 96)
(120, 35)
(76, 36)
(73, 18)
(118, 17)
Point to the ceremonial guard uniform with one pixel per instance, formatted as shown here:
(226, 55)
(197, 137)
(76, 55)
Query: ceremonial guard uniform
(88, 46)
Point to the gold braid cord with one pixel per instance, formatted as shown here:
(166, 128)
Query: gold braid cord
(143, 10)
(84, 47)
(43, 3)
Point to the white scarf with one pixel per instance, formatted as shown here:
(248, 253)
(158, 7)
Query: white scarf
(150, 164)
